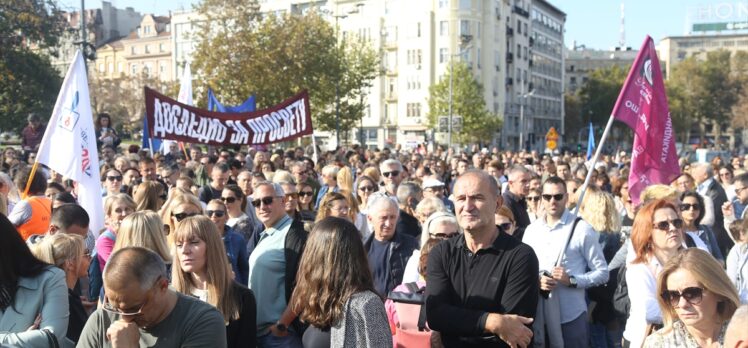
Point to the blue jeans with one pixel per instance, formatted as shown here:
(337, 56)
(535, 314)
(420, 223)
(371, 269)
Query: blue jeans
(271, 341)
(603, 337)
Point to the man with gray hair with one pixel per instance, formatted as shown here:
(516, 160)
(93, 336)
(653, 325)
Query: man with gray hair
(408, 196)
(515, 197)
(703, 174)
(273, 266)
(388, 250)
(330, 181)
(140, 310)
(392, 175)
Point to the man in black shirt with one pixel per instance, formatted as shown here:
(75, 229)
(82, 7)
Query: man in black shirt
(514, 198)
(482, 287)
(219, 177)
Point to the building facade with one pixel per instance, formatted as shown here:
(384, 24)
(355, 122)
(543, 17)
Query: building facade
(581, 62)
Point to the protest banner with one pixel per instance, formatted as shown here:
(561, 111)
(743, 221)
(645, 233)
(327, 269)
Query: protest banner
(170, 119)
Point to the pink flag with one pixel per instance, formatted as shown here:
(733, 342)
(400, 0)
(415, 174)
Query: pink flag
(642, 105)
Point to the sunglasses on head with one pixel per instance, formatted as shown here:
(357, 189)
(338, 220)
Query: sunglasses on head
(266, 201)
(228, 199)
(216, 213)
(182, 216)
(114, 178)
(306, 193)
(366, 188)
(692, 295)
(665, 225)
(533, 198)
(558, 197)
(391, 174)
(686, 206)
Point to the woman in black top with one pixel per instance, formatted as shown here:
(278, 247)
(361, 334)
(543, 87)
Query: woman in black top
(201, 269)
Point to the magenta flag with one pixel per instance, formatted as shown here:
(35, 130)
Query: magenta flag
(643, 106)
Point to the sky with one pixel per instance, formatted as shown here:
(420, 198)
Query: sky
(593, 23)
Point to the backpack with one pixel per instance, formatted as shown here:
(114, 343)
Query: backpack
(621, 301)
(411, 310)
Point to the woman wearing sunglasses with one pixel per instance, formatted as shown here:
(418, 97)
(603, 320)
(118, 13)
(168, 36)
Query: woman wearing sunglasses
(692, 212)
(441, 226)
(533, 204)
(235, 245)
(236, 207)
(201, 270)
(180, 206)
(657, 237)
(364, 188)
(306, 201)
(505, 219)
(697, 301)
(112, 181)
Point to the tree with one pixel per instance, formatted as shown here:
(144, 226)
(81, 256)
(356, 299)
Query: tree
(467, 101)
(597, 97)
(574, 119)
(275, 57)
(28, 82)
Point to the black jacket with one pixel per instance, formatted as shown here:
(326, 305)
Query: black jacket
(243, 331)
(401, 249)
(295, 243)
(719, 197)
(407, 224)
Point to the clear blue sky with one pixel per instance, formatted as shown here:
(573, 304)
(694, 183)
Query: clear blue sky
(594, 23)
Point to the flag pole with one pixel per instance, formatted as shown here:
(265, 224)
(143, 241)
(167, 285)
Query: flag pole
(586, 182)
(31, 178)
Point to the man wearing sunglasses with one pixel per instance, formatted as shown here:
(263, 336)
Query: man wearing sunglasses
(391, 170)
(273, 265)
(736, 208)
(583, 265)
(140, 310)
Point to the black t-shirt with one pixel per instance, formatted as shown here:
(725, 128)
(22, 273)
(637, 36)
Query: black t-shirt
(207, 193)
(78, 316)
(378, 252)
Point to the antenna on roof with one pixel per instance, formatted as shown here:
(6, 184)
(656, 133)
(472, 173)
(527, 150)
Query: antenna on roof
(622, 39)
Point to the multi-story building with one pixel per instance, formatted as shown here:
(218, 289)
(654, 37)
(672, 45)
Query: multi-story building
(534, 84)
(580, 62)
(146, 50)
(102, 25)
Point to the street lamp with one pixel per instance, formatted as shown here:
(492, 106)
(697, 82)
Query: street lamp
(524, 96)
(465, 45)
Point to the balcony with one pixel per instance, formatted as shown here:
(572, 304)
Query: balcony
(509, 81)
(509, 31)
(520, 11)
(509, 57)
(532, 41)
(391, 97)
(529, 62)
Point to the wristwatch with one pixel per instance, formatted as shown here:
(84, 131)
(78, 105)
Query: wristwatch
(281, 326)
(572, 282)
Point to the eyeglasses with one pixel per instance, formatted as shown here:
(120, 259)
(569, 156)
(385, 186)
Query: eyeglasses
(342, 210)
(686, 206)
(266, 201)
(506, 226)
(216, 213)
(366, 188)
(443, 235)
(182, 216)
(114, 178)
(391, 174)
(533, 198)
(665, 225)
(692, 295)
(305, 193)
(228, 199)
(292, 195)
(558, 197)
(107, 306)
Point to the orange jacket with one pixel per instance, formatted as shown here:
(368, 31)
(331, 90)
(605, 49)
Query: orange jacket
(38, 223)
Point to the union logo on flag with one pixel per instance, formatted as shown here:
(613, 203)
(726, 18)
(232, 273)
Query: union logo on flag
(69, 116)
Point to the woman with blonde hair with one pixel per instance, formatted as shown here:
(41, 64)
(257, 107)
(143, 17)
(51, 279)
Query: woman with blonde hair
(599, 210)
(68, 252)
(201, 269)
(335, 292)
(144, 229)
(116, 208)
(345, 179)
(697, 301)
(373, 173)
(179, 206)
(428, 206)
(441, 226)
(149, 195)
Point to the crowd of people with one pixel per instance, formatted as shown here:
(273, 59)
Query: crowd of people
(254, 247)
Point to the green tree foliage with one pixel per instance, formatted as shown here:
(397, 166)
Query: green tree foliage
(599, 94)
(28, 82)
(274, 57)
(478, 124)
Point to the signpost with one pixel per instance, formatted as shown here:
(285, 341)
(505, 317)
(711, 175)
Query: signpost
(551, 139)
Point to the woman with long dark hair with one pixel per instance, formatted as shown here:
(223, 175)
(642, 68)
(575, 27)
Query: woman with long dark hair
(335, 292)
(33, 295)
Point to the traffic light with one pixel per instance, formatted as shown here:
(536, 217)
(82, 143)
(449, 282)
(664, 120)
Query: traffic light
(579, 148)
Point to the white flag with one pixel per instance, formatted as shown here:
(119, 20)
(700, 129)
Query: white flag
(69, 143)
(184, 97)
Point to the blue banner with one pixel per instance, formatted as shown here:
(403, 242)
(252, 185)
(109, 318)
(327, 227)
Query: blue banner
(214, 105)
(590, 142)
(146, 137)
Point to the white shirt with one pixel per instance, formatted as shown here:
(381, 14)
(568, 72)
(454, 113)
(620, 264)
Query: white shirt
(584, 252)
(642, 286)
(411, 268)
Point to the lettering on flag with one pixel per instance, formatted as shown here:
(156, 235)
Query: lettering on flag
(173, 120)
(642, 105)
(69, 116)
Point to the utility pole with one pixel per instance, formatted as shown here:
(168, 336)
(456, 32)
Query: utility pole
(83, 32)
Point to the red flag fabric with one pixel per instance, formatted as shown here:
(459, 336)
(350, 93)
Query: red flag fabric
(643, 106)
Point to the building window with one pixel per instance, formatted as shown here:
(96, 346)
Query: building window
(110, 67)
(132, 50)
(101, 67)
(160, 47)
(443, 55)
(477, 30)
(465, 4)
(443, 28)
(147, 49)
(464, 27)
(120, 67)
(519, 51)
(413, 109)
(477, 58)
(147, 29)
(418, 29)
(134, 69)
(519, 26)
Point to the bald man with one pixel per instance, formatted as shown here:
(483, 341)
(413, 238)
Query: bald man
(736, 335)
(140, 310)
